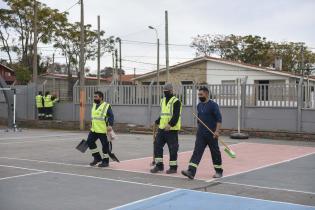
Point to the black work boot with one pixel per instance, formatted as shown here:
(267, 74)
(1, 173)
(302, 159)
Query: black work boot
(217, 175)
(188, 174)
(104, 163)
(172, 170)
(97, 159)
(157, 168)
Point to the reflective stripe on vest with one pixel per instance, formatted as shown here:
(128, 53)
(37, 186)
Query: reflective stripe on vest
(39, 102)
(98, 117)
(48, 102)
(167, 113)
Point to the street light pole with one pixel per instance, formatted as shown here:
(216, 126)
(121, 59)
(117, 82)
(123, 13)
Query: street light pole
(158, 55)
(81, 67)
(35, 71)
(166, 47)
(98, 50)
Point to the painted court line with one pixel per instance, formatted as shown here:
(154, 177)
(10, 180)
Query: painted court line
(265, 166)
(172, 203)
(48, 162)
(145, 199)
(87, 166)
(34, 137)
(268, 188)
(250, 198)
(23, 175)
(17, 167)
(94, 177)
(38, 141)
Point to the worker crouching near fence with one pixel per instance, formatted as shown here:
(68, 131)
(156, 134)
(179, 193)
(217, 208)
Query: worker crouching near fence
(40, 105)
(169, 125)
(49, 102)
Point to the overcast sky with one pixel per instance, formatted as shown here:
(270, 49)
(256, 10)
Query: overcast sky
(280, 20)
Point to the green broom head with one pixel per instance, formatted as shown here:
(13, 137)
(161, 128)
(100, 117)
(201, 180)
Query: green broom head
(229, 152)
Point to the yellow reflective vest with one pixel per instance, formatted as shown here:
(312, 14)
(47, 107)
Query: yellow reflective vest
(39, 101)
(98, 118)
(48, 102)
(167, 114)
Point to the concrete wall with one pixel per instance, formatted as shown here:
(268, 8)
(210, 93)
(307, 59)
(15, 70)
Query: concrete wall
(273, 119)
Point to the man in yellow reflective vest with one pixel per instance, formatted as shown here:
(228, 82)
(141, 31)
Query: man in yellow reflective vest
(102, 122)
(169, 125)
(49, 101)
(40, 105)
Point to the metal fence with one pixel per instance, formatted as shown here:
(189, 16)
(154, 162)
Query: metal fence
(254, 95)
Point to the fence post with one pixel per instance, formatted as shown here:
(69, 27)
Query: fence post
(149, 105)
(299, 106)
(194, 104)
(243, 103)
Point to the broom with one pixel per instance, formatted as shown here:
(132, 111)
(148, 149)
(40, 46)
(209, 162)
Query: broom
(154, 138)
(227, 149)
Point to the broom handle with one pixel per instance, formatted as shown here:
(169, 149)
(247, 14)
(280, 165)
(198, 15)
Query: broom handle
(221, 141)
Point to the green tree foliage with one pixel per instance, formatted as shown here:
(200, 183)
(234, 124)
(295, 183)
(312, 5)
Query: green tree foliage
(18, 22)
(23, 74)
(254, 50)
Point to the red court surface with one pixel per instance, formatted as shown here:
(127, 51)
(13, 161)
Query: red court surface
(249, 156)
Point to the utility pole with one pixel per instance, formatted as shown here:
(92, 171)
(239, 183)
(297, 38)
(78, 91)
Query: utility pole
(120, 66)
(53, 61)
(302, 60)
(98, 50)
(81, 67)
(157, 56)
(166, 47)
(116, 67)
(35, 71)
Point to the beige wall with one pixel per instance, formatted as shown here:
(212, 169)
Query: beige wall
(195, 73)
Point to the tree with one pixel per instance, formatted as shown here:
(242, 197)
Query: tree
(23, 75)
(108, 72)
(68, 40)
(17, 21)
(253, 50)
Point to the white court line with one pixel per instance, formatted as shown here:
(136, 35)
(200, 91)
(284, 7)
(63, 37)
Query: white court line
(268, 188)
(87, 166)
(38, 141)
(209, 193)
(265, 166)
(113, 169)
(250, 198)
(94, 177)
(43, 161)
(8, 166)
(145, 199)
(34, 137)
(23, 175)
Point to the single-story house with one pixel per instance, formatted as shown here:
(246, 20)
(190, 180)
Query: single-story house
(7, 74)
(214, 71)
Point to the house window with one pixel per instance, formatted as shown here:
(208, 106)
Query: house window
(228, 87)
(154, 83)
(187, 82)
(263, 90)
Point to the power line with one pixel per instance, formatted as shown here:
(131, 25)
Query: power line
(71, 6)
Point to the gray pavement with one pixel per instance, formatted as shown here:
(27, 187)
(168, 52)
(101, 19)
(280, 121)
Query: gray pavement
(43, 170)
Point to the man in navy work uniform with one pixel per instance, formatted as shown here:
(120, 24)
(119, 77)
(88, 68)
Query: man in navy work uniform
(102, 122)
(209, 113)
(169, 125)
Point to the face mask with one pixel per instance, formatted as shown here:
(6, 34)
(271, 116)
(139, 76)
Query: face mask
(167, 94)
(97, 101)
(202, 99)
